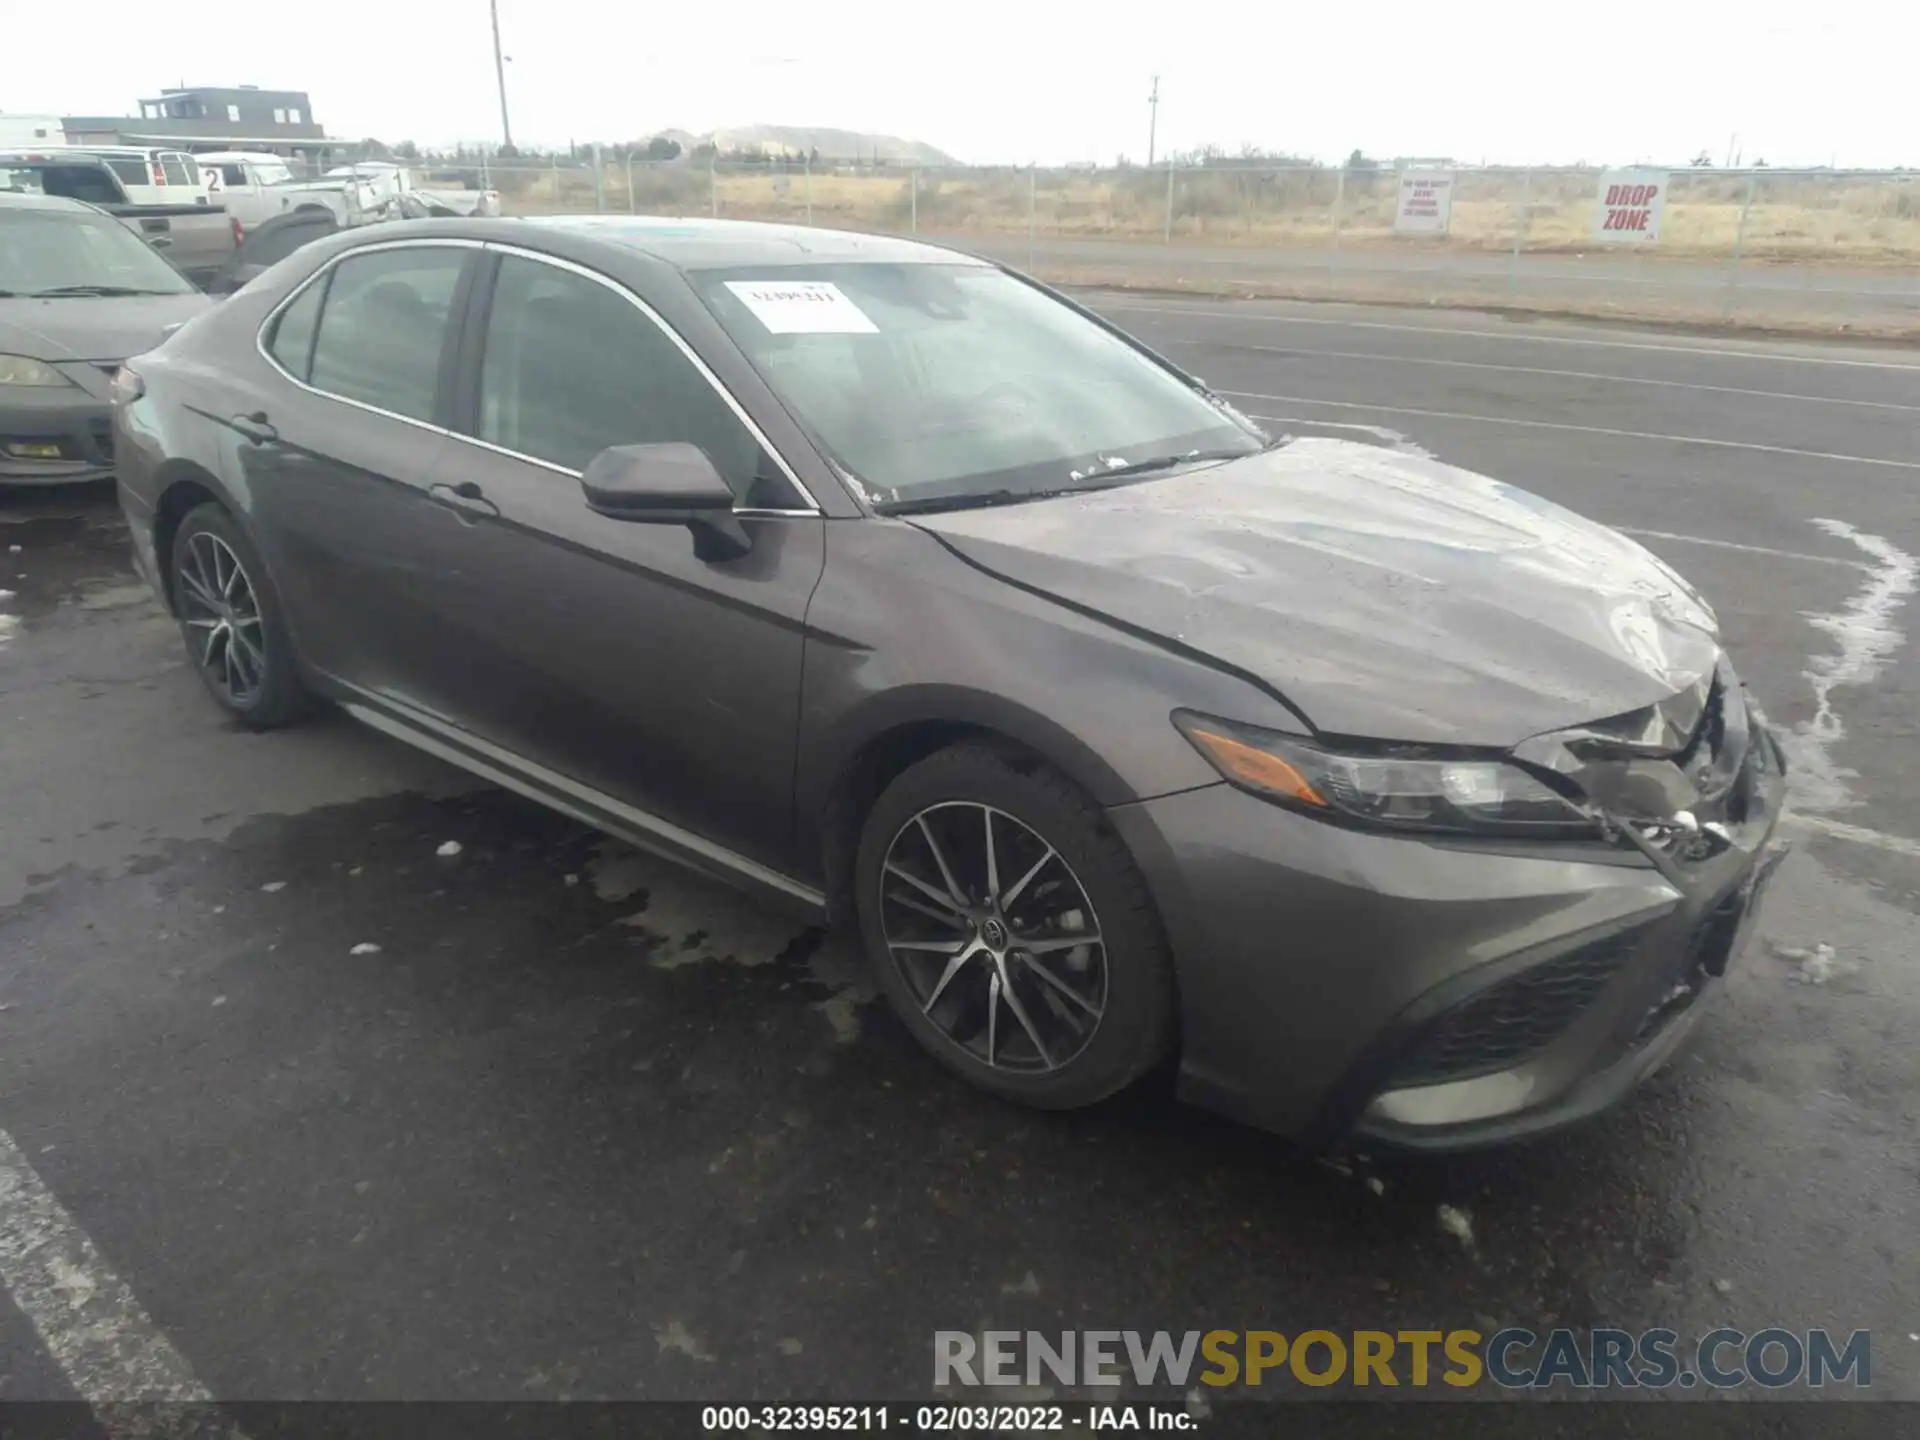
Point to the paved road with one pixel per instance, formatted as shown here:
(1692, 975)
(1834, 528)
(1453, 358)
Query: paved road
(1600, 282)
(584, 1127)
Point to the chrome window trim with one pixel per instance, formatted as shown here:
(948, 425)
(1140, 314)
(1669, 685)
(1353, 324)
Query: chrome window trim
(273, 317)
(706, 372)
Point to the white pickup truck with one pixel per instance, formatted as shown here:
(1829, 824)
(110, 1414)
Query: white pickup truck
(256, 186)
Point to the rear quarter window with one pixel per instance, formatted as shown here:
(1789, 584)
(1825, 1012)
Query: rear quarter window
(131, 172)
(177, 171)
(290, 342)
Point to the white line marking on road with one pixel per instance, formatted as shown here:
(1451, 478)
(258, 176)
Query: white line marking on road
(112, 1353)
(1868, 638)
(1856, 834)
(1717, 352)
(1564, 374)
(1577, 429)
(1744, 549)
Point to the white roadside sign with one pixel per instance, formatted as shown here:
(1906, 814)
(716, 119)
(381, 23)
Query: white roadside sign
(1426, 203)
(1631, 204)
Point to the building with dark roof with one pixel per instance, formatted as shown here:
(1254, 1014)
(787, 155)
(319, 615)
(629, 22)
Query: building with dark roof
(212, 117)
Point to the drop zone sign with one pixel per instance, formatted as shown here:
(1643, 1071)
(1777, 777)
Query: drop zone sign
(1631, 204)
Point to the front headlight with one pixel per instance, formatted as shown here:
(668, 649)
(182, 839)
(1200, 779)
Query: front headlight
(1407, 791)
(25, 370)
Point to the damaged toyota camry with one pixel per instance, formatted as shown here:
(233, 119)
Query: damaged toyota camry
(1379, 800)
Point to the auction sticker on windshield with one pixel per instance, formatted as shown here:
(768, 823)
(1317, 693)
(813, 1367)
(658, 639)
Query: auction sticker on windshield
(802, 307)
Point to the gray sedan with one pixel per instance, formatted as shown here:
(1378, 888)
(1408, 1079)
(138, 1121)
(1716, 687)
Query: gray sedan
(79, 293)
(1376, 798)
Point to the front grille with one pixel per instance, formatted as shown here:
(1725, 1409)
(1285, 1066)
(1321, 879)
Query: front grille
(1514, 1019)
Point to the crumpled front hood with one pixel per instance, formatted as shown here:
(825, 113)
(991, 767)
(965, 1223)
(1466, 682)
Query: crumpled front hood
(1383, 594)
(96, 327)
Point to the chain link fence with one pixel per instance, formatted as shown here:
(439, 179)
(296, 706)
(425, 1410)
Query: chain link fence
(1822, 250)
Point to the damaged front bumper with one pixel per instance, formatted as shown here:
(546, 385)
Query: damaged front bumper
(1419, 993)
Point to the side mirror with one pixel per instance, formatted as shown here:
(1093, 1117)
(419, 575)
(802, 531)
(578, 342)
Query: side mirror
(669, 484)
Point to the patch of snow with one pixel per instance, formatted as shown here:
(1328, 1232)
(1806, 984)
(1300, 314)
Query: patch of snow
(1457, 1223)
(1868, 639)
(365, 947)
(274, 887)
(450, 849)
(675, 1336)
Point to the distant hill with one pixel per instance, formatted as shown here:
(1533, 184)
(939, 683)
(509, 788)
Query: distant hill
(831, 144)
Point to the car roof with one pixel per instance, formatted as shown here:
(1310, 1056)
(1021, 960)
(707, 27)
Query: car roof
(237, 156)
(699, 243)
(11, 200)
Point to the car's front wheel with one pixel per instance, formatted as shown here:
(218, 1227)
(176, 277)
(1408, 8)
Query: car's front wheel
(230, 615)
(1011, 929)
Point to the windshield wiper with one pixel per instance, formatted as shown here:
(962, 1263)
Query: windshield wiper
(107, 290)
(1099, 478)
(971, 500)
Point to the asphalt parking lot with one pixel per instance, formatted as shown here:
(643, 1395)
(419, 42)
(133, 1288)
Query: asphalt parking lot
(349, 1118)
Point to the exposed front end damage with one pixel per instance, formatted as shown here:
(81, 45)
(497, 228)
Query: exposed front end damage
(1422, 992)
(1694, 785)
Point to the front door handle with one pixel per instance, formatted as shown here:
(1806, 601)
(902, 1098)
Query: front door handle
(466, 496)
(256, 427)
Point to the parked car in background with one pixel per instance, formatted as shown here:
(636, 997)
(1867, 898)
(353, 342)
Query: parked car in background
(195, 238)
(397, 179)
(1394, 802)
(152, 176)
(78, 295)
(256, 186)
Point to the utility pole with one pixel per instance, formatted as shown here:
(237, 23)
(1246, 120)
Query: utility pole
(1153, 119)
(500, 75)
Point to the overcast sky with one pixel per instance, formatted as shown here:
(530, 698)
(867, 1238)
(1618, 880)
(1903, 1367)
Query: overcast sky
(995, 80)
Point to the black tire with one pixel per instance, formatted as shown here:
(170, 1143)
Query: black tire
(1134, 1031)
(276, 694)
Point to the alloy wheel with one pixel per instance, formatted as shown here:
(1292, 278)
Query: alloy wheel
(994, 936)
(222, 616)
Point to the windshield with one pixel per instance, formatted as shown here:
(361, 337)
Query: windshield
(43, 250)
(929, 382)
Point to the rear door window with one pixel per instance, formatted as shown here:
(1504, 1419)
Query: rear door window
(130, 170)
(384, 327)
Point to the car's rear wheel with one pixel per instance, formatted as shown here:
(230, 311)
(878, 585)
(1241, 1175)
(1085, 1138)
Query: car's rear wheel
(230, 615)
(1011, 929)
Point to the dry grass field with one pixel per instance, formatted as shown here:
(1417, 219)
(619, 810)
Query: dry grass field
(1792, 218)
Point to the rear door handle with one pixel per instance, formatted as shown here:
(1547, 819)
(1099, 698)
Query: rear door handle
(256, 427)
(466, 496)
